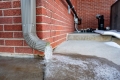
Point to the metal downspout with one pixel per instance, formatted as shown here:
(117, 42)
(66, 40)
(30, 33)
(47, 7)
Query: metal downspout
(28, 11)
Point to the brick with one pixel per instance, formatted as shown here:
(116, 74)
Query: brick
(23, 50)
(57, 43)
(43, 35)
(12, 27)
(1, 42)
(58, 37)
(18, 35)
(43, 19)
(6, 20)
(0, 12)
(24, 43)
(41, 3)
(49, 39)
(39, 11)
(53, 33)
(4, 5)
(58, 28)
(43, 27)
(43, 11)
(16, 4)
(17, 20)
(1, 27)
(6, 34)
(5, 0)
(38, 2)
(54, 45)
(14, 42)
(38, 52)
(39, 19)
(12, 12)
(46, 20)
(58, 32)
(50, 7)
(60, 41)
(7, 49)
(51, 2)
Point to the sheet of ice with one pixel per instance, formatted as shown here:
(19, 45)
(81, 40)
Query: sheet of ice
(70, 68)
(48, 53)
(112, 44)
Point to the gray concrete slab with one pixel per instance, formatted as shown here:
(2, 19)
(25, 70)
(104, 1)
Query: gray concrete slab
(90, 48)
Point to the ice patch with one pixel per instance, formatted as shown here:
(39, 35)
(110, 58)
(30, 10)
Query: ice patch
(105, 72)
(48, 53)
(70, 68)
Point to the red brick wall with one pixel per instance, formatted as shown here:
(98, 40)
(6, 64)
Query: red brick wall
(53, 21)
(88, 9)
(53, 24)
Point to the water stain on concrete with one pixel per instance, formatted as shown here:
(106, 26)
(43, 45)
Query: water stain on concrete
(20, 69)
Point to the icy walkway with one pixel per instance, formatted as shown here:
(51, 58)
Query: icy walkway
(90, 48)
(78, 67)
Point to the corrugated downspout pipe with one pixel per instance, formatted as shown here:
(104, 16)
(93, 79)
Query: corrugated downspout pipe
(28, 10)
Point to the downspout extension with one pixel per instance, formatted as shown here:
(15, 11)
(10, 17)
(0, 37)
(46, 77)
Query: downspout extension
(28, 11)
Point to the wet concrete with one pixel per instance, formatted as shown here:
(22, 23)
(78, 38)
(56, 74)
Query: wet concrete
(20, 69)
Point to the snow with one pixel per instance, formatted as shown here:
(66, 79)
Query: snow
(112, 44)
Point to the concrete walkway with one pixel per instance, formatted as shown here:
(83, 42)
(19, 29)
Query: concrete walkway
(90, 48)
(67, 65)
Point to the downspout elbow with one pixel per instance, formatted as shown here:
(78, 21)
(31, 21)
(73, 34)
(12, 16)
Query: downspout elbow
(32, 39)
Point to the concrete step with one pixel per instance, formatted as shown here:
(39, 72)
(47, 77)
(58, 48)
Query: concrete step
(88, 36)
